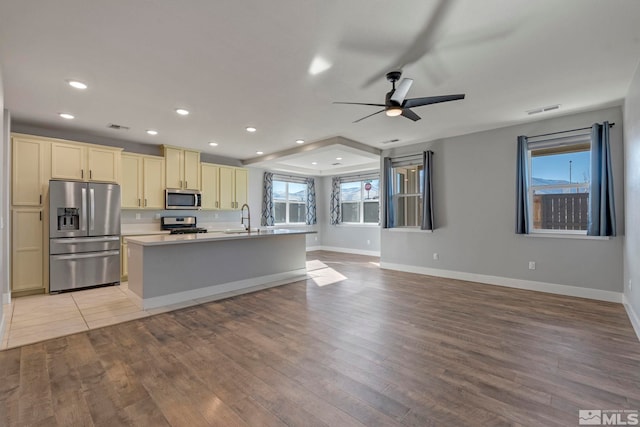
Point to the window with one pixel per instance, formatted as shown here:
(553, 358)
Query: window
(289, 202)
(559, 185)
(360, 201)
(407, 194)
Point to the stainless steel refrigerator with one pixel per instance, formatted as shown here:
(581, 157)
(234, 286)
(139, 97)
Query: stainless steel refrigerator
(84, 234)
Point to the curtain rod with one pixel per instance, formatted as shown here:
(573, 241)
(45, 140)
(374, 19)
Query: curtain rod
(290, 176)
(566, 131)
(360, 175)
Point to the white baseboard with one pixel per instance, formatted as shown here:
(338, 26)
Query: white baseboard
(247, 285)
(531, 285)
(633, 316)
(343, 250)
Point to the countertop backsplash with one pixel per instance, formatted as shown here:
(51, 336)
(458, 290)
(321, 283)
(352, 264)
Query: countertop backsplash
(149, 221)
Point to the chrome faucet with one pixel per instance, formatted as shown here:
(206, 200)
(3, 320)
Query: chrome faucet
(248, 217)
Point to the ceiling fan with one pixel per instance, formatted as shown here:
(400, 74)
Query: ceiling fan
(396, 103)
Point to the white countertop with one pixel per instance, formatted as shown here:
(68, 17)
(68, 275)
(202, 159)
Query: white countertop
(220, 235)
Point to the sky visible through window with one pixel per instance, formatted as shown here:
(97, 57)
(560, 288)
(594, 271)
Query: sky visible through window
(556, 167)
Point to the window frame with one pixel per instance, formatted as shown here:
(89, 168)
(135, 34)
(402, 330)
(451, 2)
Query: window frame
(581, 139)
(288, 204)
(360, 202)
(396, 195)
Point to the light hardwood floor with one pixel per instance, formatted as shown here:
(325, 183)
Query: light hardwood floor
(352, 345)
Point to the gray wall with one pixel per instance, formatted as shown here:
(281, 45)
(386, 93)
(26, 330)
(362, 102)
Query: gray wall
(474, 192)
(632, 194)
(349, 237)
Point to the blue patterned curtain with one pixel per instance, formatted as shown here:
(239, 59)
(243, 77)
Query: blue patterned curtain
(311, 201)
(602, 211)
(522, 187)
(427, 196)
(267, 200)
(335, 214)
(389, 221)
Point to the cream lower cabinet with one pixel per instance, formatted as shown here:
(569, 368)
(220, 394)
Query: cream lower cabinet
(233, 187)
(85, 162)
(142, 181)
(182, 168)
(124, 260)
(27, 245)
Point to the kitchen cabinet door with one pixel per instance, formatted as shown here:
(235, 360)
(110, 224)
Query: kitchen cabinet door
(68, 161)
(241, 183)
(27, 260)
(209, 181)
(30, 176)
(227, 190)
(191, 170)
(174, 167)
(153, 182)
(131, 188)
(103, 164)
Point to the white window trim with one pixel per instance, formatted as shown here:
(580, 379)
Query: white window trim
(569, 234)
(361, 203)
(287, 203)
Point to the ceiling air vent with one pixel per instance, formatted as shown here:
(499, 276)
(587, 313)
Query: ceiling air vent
(336, 164)
(391, 141)
(543, 109)
(117, 127)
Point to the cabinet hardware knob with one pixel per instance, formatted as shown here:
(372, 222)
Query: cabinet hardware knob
(81, 173)
(186, 184)
(138, 202)
(90, 174)
(41, 199)
(40, 215)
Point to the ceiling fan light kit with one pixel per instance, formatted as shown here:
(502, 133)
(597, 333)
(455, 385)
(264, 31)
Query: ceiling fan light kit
(396, 103)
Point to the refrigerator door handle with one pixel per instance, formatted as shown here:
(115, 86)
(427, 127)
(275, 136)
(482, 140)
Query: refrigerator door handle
(83, 220)
(92, 209)
(84, 256)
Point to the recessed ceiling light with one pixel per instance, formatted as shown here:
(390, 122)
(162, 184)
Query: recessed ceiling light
(314, 163)
(76, 84)
(251, 129)
(338, 158)
(67, 116)
(299, 141)
(259, 153)
(213, 144)
(318, 65)
(152, 132)
(182, 111)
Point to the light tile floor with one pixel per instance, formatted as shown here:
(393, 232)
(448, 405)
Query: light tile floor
(41, 317)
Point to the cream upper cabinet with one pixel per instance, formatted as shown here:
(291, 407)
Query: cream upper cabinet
(209, 178)
(30, 172)
(131, 191)
(233, 187)
(85, 162)
(182, 168)
(142, 181)
(153, 182)
(27, 262)
(241, 187)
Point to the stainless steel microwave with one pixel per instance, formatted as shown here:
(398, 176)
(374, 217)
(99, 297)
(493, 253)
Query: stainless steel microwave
(182, 199)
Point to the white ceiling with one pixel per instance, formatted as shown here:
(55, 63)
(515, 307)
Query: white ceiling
(239, 63)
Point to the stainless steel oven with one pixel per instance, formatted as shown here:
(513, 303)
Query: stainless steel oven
(182, 199)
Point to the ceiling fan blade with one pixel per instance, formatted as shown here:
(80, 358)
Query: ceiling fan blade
(424, 41)
(360, 103)
(366, 117)
(418, 102)
(410, 114)
(401, 91)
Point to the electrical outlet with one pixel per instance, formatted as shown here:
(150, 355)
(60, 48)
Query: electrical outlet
(215, 216)
(368, 242)
(436, 256)
(138, 216)
(315, 238)
(157, 216)
(532, 265)
(630, 286)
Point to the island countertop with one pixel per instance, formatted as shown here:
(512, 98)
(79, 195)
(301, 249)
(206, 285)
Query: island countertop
(171, 239)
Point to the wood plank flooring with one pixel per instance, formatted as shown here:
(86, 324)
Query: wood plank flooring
(379, 348)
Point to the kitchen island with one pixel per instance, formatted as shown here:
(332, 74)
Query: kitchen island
(170, 269)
